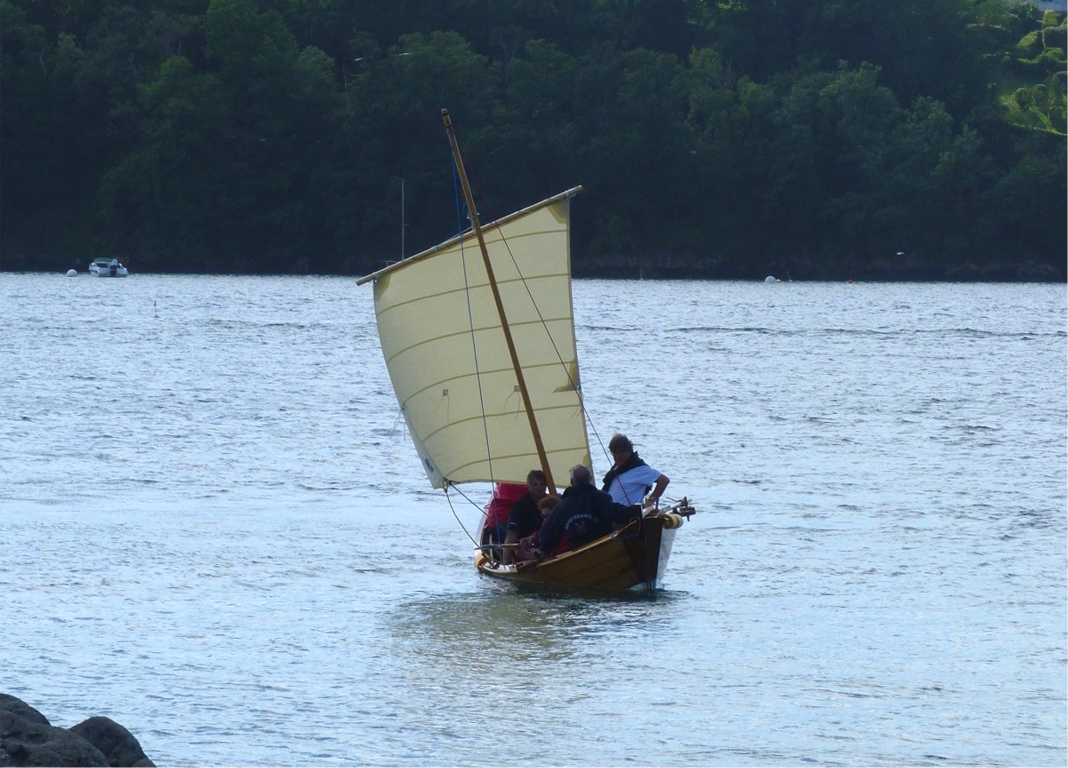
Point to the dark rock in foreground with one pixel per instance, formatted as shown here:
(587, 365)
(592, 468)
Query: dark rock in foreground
(118, 744)
(27, 738)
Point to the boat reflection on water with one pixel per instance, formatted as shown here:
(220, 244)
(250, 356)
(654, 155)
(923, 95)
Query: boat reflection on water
(508, 629)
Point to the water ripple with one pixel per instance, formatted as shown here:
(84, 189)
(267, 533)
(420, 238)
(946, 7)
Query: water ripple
(217, 533)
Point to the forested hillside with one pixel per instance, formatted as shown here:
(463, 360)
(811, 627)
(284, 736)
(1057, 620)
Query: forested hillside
(913, 139)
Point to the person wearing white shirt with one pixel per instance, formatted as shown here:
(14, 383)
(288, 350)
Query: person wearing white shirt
(630, 479)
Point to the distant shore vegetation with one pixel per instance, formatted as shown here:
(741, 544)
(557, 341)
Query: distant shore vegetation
(814, 139)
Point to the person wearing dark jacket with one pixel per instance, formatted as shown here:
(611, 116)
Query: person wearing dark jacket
(525, 517)
(583, 514)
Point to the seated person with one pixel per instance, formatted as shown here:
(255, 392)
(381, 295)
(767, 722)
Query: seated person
(528, 546)
(630, 478)
(583, 514)
(525, 518)
(500, 505)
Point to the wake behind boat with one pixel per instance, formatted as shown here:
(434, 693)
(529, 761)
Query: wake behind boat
(478, 336)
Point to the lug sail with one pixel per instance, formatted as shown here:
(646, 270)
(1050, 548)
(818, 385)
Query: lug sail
(445, 350)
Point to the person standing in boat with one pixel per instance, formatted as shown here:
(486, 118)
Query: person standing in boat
(525, 518)
(630, 479)
(583, 514)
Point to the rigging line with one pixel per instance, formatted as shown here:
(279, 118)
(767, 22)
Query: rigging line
(396, 421)
(470, 315)
(453, 510)
(530, 295)
(600, 442)
(522, 279)
(498, 301)
(574, 384)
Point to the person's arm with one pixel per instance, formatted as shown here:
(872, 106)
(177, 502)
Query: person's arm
(617, 514)
(514, 523)
(658, 490)
(508, 553)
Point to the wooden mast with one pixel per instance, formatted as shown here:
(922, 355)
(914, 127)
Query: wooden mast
(477, 227)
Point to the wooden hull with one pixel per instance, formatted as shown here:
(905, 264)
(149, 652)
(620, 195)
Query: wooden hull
(633, 557)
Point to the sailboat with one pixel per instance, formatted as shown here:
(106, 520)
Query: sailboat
(478, 336)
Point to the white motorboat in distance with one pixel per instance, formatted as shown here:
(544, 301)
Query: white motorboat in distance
(107, 268)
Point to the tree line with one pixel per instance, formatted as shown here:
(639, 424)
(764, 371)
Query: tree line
(918, 139)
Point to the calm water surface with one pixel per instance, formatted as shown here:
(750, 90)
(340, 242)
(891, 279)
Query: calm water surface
(216, 532)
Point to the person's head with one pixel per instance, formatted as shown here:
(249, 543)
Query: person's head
(620, 447)
(536, 483)
(545, 506)
(580, 475)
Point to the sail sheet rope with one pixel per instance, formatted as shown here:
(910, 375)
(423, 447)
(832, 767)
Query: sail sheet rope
(456, 516)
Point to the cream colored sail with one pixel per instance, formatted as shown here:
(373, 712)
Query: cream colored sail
(446, 354)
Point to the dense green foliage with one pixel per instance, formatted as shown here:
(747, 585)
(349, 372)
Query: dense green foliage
(815, 138)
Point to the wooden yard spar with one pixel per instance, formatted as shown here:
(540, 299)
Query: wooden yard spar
(477, 227)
